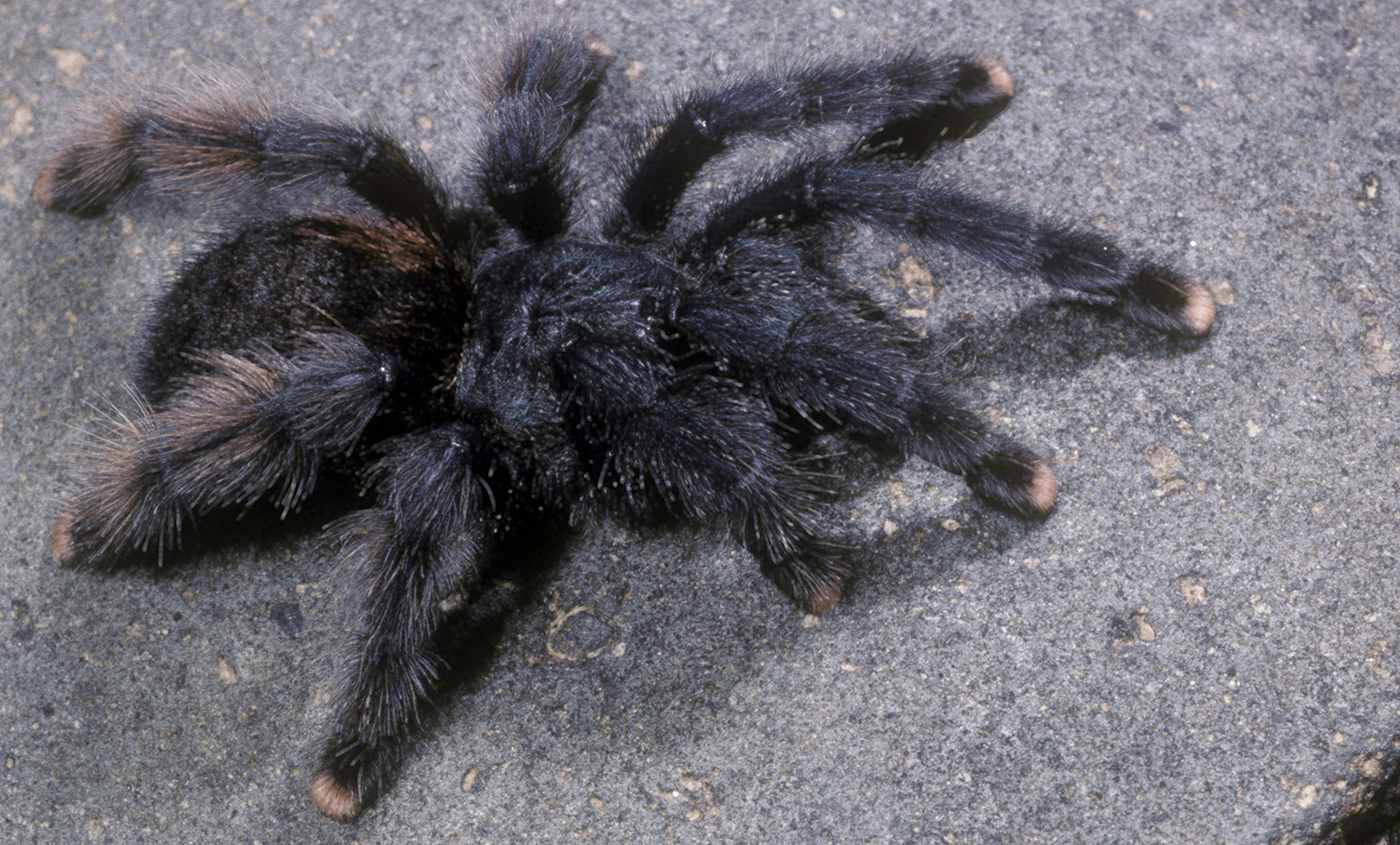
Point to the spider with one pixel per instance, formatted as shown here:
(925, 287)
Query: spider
(484, 358)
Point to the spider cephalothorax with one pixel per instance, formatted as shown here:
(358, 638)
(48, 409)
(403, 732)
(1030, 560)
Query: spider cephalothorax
(481, 357)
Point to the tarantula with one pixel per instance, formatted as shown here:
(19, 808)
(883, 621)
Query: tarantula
(485, 358)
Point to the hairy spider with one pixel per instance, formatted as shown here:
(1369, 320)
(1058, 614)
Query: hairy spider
(504, 353)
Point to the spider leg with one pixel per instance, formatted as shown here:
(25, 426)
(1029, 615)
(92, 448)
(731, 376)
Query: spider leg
(890, 196)
(541, 94)
(231, 145)
(907, 103)
(810, 354)
(249, 426)
(695, 445)
(409, 553)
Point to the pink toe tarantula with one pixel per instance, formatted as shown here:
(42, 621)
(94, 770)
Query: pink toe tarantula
(479, 357)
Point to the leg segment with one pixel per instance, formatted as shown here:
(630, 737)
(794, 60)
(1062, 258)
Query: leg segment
(542, 95)
(248, 427)
(230, 144)
(982, 90)
(890, 196)
(405, 556)
(908, 103)
(810, 355)
(695, 445)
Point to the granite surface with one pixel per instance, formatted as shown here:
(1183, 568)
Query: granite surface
(1199, 645)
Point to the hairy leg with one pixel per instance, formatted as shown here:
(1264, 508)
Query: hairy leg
(542, 93)
(228, 143)
(907, 103)
(890, 196)
(249, 426)
(697, 446)
(811, 354)
(418, 545)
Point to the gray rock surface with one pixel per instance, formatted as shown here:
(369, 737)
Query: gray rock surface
(1198, 646)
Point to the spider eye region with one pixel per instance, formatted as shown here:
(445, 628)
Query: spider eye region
(532, 305)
